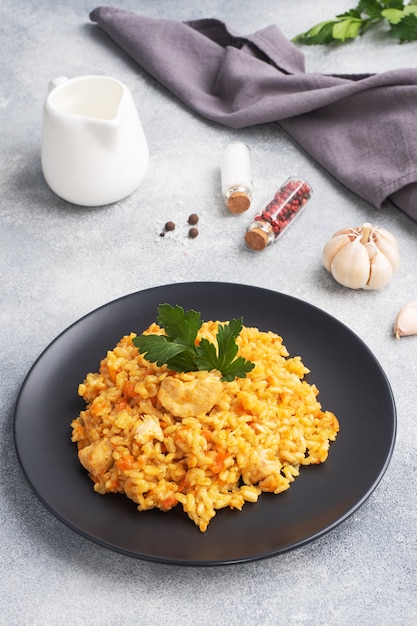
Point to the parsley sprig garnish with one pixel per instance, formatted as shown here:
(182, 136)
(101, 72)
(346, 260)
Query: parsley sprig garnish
(401, 18)
(178, 348)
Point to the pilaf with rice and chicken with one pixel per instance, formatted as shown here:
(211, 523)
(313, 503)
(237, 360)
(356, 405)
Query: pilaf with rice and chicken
(168, 438)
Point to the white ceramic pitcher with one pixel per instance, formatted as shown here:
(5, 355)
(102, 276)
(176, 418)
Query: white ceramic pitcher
(94, 150)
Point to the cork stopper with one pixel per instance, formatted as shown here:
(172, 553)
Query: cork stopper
(256, 238)
(238, 202)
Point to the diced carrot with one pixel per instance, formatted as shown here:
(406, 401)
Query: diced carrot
(169, 502)
(125, 463)
(182, 484)
(122, 404)
(113, 373)
(129, 389)
(218, 464)
(181, 432)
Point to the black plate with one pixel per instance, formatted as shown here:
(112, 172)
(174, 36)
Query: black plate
(351, 383)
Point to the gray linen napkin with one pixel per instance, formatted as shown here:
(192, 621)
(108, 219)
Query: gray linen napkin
(360, 128)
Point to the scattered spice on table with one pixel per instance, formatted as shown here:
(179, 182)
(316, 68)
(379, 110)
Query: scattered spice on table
(169, 226)
(193, 219)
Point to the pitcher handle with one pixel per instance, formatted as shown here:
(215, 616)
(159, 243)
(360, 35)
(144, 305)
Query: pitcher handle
(60, 80)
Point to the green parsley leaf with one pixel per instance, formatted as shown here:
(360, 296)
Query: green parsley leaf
(224, 358)
(178, 323)
(411, 8)
(319, 34)
(178, 350)
(406, 29)
(369, 8)
(394, 4)
(226, 341)
(237, 369)
(183, 362)
(347, 28)
(400, 17)
(393, 16)
(206, 356)
(158, 348)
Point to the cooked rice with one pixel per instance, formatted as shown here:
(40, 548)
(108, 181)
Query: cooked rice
(254, 439)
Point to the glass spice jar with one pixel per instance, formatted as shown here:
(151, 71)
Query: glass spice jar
(236, 176)
(286, 204)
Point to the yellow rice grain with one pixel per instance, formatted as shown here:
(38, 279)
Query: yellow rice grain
(254, 439)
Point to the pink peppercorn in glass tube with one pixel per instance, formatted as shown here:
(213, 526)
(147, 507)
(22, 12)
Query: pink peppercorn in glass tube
(286, 204)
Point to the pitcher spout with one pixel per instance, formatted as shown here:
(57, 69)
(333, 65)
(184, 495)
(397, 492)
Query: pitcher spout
(94, 97)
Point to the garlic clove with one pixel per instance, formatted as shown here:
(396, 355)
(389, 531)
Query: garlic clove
(386, 235)
(350, 266)
(381, 270)
(387, 244)
(406, 321)
(352, 232)
(332, 247)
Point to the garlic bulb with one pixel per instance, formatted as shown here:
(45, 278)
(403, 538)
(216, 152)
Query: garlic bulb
(362, 257)
(406, 321)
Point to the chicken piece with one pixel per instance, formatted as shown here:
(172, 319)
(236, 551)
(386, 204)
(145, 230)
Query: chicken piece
(96, 457)
(263, 466)
(148, 429)
(189, 398)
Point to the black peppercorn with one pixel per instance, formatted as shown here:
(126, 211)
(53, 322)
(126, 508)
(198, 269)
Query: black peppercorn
(193, 219)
